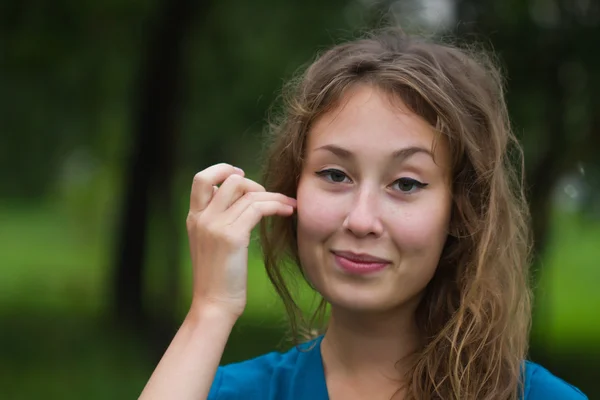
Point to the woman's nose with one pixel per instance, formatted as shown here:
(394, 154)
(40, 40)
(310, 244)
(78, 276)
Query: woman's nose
(363, 218)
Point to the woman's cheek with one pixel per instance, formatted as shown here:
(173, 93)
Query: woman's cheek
(420, 227)
(318, 211)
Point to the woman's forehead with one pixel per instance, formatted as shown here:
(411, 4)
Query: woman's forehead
(370, 120)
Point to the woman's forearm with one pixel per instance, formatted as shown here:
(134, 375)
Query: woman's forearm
(187, 369)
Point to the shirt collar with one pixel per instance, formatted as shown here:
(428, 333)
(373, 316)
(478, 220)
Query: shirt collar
(309, 380)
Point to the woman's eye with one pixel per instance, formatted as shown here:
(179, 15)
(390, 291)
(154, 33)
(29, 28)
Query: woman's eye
(408, 185)
(333, 175)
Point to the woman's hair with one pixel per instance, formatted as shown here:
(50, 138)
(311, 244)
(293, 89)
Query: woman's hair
(475, 314)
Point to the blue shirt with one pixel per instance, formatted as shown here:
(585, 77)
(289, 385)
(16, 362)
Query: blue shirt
(299, 375)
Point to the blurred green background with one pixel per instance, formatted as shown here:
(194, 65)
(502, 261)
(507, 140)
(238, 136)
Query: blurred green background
(108, 108)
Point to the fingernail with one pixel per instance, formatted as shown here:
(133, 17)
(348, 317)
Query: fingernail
(239, 170)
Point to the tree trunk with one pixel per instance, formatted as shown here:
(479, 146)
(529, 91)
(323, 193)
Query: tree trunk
(151, 166)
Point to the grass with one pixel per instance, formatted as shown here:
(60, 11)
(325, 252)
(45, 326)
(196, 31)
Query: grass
(568, 298)
(53, 293)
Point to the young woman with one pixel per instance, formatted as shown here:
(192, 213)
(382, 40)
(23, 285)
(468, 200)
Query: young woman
(392, 190)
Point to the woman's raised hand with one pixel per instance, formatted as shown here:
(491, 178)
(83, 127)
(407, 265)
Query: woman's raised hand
(219, 224)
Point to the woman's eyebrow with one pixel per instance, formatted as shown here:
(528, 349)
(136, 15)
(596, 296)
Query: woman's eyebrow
(401, 154)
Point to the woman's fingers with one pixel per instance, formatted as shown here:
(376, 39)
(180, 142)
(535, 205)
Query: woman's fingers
(234, 212)
(255, 211)
(205, 182)
(234, 187)
(237, 201)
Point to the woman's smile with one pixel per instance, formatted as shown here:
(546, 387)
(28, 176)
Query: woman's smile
(360, 264)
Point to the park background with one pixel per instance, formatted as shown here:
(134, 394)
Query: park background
(108, 108)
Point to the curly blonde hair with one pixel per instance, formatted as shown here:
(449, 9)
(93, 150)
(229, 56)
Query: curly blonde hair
(475, 314)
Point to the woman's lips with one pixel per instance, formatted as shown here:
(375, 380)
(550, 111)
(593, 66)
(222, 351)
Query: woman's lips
(359, 263)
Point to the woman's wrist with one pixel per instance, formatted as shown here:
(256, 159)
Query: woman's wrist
(209, 314)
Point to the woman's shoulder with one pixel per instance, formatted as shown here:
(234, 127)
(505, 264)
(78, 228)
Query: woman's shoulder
(541, 384)
(263, 377)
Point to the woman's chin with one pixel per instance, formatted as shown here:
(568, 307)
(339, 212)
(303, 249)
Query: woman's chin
(371, 299)
(371, 303)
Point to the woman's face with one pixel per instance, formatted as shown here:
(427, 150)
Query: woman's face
(373, 205)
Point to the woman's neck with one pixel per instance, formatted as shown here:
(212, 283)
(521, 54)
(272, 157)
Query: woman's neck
(366, 345)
